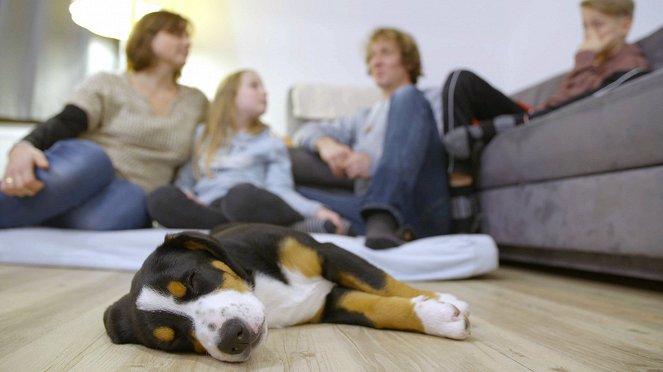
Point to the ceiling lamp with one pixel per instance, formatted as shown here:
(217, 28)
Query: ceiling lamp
(112, 19)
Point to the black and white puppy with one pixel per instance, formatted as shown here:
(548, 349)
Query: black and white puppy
(219, 293)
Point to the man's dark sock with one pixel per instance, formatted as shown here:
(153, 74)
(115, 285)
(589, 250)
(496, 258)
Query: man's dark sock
(381, 231)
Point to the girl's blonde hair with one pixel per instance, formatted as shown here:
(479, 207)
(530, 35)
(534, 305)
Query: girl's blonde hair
(220, 124)
(611, 7)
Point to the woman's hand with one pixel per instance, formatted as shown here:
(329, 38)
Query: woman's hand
(324, 213)
(19, 178)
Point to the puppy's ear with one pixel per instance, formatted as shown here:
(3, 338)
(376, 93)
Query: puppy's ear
(197, 241)
(117, 320)
(193, 240)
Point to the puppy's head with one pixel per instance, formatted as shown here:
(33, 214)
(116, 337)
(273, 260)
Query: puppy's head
(190, 295)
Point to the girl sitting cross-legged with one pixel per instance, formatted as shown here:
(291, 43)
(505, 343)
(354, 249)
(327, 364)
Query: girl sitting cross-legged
(240, 171)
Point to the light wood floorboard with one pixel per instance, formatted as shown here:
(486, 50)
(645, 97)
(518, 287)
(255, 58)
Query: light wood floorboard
(522, 320)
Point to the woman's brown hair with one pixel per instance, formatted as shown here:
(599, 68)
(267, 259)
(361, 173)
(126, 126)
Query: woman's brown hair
(139, 46)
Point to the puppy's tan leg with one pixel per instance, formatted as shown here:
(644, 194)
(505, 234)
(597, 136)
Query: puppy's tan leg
(353, 272)
(418, 314)
(393, 287)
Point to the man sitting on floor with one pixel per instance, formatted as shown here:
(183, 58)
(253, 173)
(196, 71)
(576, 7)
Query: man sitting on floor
(391, 150)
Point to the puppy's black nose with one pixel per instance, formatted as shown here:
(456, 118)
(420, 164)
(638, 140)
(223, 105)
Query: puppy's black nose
(235, 337)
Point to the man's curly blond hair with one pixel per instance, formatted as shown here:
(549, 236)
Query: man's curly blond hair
(408, 46)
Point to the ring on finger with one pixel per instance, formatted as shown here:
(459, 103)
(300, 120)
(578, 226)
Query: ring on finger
(9, 181)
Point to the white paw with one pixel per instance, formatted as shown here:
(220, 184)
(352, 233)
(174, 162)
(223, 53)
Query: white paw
(451, 299)
(441, 319)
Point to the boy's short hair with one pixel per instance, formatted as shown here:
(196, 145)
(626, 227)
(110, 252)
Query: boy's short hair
(611, 7)
(409, 51)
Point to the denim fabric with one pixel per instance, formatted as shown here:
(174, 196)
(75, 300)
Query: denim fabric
(81, 192)
(410, 180)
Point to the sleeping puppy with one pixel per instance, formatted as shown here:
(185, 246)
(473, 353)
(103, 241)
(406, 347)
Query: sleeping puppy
(219, 293)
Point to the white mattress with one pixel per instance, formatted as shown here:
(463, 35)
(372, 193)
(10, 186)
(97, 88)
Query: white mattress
(433, 258)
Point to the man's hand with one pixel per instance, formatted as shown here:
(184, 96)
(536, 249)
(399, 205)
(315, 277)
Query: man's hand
(334, 154)
(358, 165)
(19, 179)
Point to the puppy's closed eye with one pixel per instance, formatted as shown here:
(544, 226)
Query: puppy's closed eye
(201, 281)
(193, 283)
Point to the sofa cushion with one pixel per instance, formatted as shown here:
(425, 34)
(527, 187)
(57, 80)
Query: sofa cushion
(618, 130)
(309, 170)
(652, 47)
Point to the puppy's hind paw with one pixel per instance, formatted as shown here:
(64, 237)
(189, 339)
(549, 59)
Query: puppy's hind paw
(441, 319)
(459, 329)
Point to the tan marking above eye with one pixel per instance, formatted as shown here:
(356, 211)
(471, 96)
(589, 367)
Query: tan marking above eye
(230, 279)
(223, 267)
(177, 289)
(166, 334)
(194, 245)
(298, 257)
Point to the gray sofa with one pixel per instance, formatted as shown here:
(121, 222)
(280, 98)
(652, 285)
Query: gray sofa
(581, 187)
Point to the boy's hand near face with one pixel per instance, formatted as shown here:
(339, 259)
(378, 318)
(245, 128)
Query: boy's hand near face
(597, 44)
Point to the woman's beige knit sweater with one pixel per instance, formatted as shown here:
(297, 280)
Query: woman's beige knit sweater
(145, 148)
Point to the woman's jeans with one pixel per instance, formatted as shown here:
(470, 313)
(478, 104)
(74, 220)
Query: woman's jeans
(80, 192)
(411, 180)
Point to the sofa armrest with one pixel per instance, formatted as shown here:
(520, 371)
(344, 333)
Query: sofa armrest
(616, 131)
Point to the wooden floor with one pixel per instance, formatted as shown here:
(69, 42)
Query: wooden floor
(522, 319)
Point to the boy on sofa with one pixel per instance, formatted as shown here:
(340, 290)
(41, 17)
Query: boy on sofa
(391, 150)
(467, 99)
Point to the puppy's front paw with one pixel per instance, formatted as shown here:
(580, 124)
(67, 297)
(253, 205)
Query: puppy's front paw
(441, 319)
(463, 306)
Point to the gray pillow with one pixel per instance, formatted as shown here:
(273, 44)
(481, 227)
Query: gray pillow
(309, 170)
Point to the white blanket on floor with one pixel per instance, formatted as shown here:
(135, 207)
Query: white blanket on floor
(433, 258)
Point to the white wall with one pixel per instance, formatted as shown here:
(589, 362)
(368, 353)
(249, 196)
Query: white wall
(512, 43)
